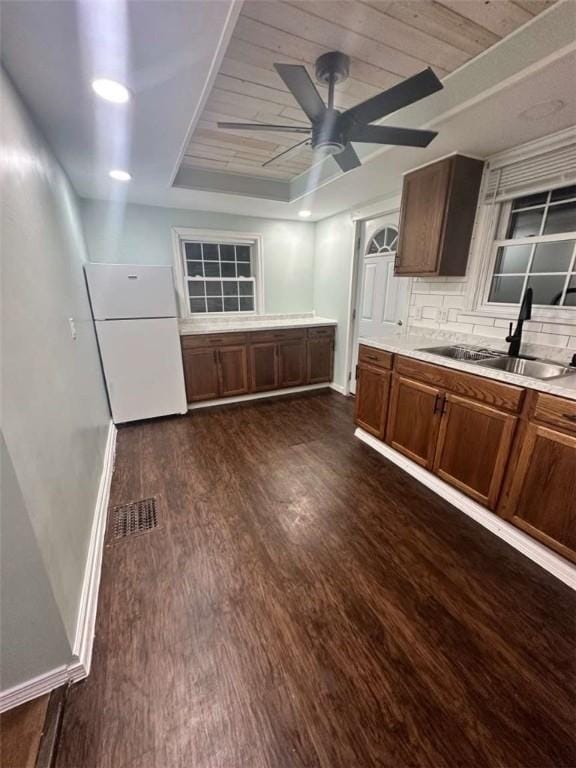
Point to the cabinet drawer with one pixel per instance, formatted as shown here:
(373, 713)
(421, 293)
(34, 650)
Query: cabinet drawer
(373, 356)
(321, 333)
(192, 341)
(281, 335)
(556, 411)
(505, 396)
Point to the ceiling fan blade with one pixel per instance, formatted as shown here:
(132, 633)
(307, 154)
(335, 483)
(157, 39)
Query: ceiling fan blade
(384, 134)
(299, 83)
(407, 92)
(285, 152)
(264, 127)
(347, 159)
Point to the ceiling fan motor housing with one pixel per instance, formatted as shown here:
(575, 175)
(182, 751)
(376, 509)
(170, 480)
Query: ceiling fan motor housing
(333, 66)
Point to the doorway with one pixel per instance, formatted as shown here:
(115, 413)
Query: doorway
(381, 298)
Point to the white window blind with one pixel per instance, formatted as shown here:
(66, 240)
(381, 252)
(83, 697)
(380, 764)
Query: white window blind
(542, 171)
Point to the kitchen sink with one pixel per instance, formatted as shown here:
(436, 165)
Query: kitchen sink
(537, 369)
(464, 352)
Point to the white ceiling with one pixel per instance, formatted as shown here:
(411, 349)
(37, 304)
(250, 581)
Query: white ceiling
(168, 52)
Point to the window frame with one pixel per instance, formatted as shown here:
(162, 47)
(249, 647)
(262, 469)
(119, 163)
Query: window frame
(492, 224)
(182, 235)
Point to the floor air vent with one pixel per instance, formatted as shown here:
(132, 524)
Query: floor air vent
(134, 518)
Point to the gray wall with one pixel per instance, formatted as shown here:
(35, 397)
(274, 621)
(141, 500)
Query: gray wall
(54, 411)
(142, 234)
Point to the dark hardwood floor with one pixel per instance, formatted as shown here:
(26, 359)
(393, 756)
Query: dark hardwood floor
(306, 603)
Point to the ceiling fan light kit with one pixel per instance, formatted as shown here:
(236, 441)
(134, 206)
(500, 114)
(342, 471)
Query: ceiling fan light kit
(332, 131)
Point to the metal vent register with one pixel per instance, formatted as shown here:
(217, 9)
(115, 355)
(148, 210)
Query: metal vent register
(134, 518)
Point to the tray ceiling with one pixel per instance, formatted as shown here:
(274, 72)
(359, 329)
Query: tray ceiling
(387, 41)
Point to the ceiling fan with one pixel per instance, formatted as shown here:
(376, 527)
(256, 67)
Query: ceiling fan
(331, 130)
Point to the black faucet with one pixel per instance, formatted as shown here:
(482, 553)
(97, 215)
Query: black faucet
(525, 313)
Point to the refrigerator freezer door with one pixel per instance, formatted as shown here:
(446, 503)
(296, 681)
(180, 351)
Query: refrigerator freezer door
(119, 291)
(142, 364)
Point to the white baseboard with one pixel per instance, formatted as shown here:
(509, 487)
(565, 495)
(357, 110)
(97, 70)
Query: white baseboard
(544, 557)
(257, 396)
(338, 388)
(79, 666)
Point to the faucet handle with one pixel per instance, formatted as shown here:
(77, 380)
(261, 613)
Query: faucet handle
(510, 332)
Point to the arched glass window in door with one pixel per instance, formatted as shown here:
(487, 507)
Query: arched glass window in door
(384, 241)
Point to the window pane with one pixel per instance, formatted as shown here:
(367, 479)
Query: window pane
(210, 251)
(373, 248)
(243, 270)
(547, 288)
(214, 305)
(246, 304)
(529, 200)
(227, 252)
(506, 289)
(212, 268)
(570, 300)
(197, 305)
(564, 193)
(228, 269)
(193, 251)
(561, 218)
(525, 224)
(195, 288)
(195, 269)
(512, 258)
(231, 304)
(243, 253)
(214, 288)
(246, 289)
(230, 288)
(553, 257)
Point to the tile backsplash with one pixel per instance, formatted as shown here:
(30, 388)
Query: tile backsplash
(441, 305)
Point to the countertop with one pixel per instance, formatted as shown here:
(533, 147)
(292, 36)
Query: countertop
(254, 323)
(411, 345)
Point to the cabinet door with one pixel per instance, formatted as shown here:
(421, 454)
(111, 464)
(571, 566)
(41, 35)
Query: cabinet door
(414, 419)
(320, 360)
(263, 367)
(200, 374)
(233, 371)
(371, 406)
(292, 363)
(473, 448)
(424, 197)
(542, 499)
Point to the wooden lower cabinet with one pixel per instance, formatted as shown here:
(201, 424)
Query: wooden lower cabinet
(542, 494)
(320, 362)
(371, 406)
(201, 374)
(473, 447)
(292, 363)
(414, 420)
(263, 366)
(232, 371)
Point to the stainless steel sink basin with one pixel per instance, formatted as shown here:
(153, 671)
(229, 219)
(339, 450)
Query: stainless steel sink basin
(537, 369)
(464, 352)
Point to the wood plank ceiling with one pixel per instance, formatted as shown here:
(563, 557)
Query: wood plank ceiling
(387, 40)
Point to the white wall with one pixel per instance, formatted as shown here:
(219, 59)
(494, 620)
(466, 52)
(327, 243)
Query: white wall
(54, 410)
(142, 234)
(333, 263)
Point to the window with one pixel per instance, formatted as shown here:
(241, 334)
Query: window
(219, 276)
(536, 247)
(384, 241)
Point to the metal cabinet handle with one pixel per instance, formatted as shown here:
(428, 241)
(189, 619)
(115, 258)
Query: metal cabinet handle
(569, 416)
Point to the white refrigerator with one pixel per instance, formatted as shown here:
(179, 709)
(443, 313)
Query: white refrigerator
(134, 309)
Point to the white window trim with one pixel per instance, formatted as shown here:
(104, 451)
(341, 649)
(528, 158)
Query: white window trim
(254, 240)
(491, 218)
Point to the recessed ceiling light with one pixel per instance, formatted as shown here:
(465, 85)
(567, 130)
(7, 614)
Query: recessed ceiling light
(111, 90)
(543, 109)
(119, 175)
(305, 214)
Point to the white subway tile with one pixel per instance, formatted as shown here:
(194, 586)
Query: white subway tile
(475, 320)
(550, 339)
(428, 300)
(569, 328)
(430, 313)
(486, 330)
(459, 327)
(454, 300)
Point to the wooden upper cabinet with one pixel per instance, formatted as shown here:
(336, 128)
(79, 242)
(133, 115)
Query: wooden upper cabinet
(414, 419)
(232, 371)
(371, 403)
(437, 217)
(473, 447)
(200, 374)
(542, 495)
(263, 366)
(292, 363)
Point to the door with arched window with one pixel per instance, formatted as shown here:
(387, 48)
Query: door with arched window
(382, 298)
